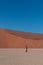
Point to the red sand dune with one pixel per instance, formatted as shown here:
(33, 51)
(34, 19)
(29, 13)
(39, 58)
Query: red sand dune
(18, 39)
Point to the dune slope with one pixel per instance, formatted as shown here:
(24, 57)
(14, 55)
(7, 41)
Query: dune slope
(18, 39)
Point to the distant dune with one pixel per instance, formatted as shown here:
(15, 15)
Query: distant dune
(18, 39)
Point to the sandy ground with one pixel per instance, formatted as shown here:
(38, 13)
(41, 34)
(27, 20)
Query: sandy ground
(20, 57)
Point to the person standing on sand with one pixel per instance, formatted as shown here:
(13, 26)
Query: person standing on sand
(26, 48)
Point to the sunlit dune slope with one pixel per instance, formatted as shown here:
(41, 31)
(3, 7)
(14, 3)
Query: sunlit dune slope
(18, 39)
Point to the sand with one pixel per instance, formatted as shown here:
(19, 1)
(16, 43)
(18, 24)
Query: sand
(20, 57)
(18, 39)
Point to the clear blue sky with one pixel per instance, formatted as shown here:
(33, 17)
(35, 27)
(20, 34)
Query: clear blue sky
(23, 15)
